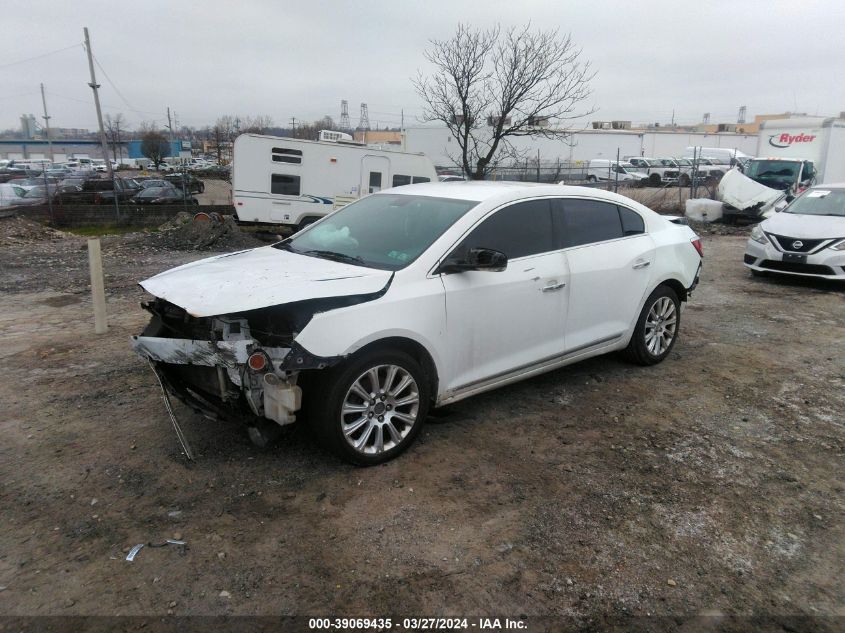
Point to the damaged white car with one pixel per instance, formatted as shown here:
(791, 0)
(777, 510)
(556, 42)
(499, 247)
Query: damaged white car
(417, 297)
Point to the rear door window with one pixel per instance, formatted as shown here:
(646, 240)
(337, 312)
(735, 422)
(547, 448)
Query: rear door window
(579, 221)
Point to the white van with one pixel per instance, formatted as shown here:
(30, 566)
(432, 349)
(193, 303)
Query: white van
(603, 170)
(278, 180)
(728, 156)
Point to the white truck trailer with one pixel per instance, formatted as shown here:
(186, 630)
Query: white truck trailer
(277, 180)
(815, 139)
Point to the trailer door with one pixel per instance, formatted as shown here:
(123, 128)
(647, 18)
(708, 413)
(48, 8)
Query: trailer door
(375, 171)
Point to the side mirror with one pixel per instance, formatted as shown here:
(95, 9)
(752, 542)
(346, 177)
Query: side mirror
(481, 259)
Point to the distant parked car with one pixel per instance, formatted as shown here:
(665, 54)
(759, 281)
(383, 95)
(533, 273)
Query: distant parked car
(11, 195)
(26, 183)
(152, 182)
(219, 171)
(193, 184)
(163, 195)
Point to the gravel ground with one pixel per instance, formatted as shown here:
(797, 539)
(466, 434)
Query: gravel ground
(710, 484)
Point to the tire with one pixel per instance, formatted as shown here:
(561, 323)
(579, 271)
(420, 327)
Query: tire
(202, 187)
(399, 376)
(591, 179)
(304, 223)
(684, 180)
(654, 180)
(661, 311)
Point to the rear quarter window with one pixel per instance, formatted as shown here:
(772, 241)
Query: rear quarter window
(632, 222)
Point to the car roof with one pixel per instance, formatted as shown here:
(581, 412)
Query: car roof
(501, 191)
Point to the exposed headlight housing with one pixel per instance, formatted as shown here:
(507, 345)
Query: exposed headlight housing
(758, 235)
(840, 246)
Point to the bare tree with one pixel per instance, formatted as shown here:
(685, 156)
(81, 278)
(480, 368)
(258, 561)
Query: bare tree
(490, 86)
(257, 125)
(113, 125)
(155, 146)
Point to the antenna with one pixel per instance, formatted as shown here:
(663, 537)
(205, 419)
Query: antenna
(741, 116)
(364, 122)
(344, 115)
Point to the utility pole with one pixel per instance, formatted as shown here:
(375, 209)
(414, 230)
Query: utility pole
(170, 131)
(293, 126)
(94, 86)
(103, 142)
(47, 123)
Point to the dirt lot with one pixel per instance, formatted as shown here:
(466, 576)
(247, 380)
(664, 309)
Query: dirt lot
(712, 483)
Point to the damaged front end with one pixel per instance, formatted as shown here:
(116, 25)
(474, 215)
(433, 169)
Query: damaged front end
(218, 367)
(244, 367)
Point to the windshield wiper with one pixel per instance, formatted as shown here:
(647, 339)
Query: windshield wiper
(335, 256)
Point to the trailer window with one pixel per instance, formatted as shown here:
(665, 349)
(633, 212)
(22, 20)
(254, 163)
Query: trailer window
(421, 179)
(375, 181)
(285, 155)
(399, 180)
(284, 184)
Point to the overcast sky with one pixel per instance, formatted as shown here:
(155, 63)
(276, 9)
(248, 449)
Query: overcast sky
(287, 58)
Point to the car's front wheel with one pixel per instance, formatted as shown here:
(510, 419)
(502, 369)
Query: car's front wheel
(657, 327)
(371, 409)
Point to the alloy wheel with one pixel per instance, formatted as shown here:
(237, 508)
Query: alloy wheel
(380, 409)
(660, 326)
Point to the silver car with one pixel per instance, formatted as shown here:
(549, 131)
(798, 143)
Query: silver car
(807, 238)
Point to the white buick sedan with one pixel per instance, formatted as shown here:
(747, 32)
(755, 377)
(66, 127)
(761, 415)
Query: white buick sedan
(417, 297)
(806, 239)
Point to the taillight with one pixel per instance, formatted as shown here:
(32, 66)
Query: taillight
(258, 361)
(697, 244)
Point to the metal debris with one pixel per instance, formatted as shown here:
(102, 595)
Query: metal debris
(134, 551)
(179, 434)
(137, 548)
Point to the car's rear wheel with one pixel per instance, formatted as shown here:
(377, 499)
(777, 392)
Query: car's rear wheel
(657, 328)
(591, 178)
(371, 409)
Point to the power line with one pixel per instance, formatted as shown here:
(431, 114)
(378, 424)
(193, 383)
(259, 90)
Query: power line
(105, 105)
(111, 83)
(29, 59)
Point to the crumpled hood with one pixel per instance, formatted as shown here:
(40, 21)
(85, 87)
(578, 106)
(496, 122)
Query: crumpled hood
(740, 192)
(805, 226)
(260, 278)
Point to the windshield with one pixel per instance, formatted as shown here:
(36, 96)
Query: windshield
(778, 174)
(386, 231)
(819, 202)
(684, 161)
(653, 163)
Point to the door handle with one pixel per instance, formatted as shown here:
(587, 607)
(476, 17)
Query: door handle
(551, 287)
(641, 265)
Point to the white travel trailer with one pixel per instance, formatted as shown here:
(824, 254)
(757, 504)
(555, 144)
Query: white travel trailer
(288, 181)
